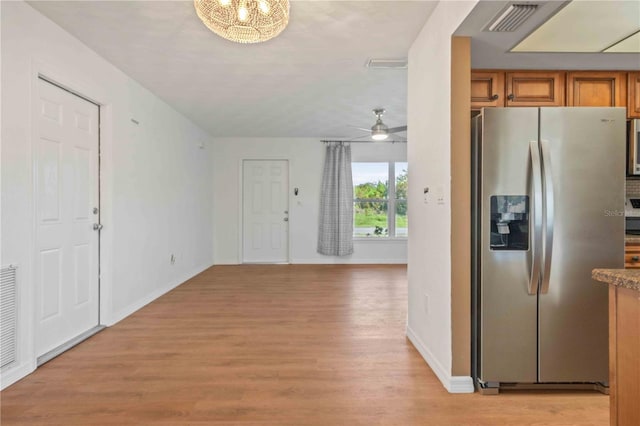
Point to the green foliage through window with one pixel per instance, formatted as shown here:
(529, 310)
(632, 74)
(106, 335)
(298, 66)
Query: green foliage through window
(372, 217)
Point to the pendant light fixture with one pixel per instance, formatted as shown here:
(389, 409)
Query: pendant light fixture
(244, 21)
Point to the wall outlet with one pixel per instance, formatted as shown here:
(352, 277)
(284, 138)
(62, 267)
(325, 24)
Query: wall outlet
(425, 303)
(173, 259)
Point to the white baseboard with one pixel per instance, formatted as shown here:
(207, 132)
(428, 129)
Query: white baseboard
(16, 373)
(340, 261)
(225, 262)
(332, 261)
(453, 384)
(123, 313)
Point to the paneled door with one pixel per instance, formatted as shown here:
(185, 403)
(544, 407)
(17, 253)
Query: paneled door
(265, 230)
(66, 157)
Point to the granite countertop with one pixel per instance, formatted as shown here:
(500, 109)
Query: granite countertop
(632, 239)
(628, 278)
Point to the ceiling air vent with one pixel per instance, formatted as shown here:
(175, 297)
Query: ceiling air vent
(512, 17)
(387, 63)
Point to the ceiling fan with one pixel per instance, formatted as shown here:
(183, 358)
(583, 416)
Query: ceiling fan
(380, 131)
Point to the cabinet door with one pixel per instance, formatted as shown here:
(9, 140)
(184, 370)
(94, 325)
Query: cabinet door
(487, 89)
(593, 88)
(633, 100)
(632, 256)
(535, 88)
(627, 367)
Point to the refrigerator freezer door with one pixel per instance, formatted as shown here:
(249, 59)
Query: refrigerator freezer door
(586, 147)
(507, 321)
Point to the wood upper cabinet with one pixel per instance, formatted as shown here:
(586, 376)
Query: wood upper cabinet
(596, 88)
(633, 98)
(487, 89)
(535, 88)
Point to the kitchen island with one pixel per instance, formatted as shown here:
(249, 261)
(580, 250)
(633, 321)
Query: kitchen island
(624, 343)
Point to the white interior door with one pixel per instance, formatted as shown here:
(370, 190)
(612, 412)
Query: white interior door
(66, 263)
(265, 211)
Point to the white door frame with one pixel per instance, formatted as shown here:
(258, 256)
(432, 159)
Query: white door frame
(241, 204)
(68, 79)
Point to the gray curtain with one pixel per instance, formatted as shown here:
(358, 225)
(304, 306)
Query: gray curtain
(335, 231)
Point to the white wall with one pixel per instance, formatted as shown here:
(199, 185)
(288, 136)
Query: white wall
(306, 159)
(156, 181)
(429, 123)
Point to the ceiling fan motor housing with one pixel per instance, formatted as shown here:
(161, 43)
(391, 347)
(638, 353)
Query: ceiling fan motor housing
(379, 131)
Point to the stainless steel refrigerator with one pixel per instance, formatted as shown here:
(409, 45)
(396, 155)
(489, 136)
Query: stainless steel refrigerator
(548, 207)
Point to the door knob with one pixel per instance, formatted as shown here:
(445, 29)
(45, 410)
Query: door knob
(97, 226)
(286, 219)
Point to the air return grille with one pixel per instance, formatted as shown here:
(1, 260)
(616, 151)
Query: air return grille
(7, 315)
(512, 17)
(387, 63)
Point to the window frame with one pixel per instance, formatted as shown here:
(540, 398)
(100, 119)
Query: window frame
(391, 204)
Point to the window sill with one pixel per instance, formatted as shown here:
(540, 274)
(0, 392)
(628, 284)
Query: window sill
(380, 239)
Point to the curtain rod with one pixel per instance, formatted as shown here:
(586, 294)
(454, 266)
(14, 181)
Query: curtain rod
(369, 142)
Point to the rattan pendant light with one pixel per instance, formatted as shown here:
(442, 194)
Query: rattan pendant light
(244, 21)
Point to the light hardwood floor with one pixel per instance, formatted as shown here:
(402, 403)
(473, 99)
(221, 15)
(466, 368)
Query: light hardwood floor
(271, 345)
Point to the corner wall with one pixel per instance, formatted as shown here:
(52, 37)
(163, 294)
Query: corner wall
(306, 160)
(156, 181)
(429, 122)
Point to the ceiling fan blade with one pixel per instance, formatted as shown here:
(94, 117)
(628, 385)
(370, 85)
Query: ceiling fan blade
(397, 129)
(359, 137)
(361, 128)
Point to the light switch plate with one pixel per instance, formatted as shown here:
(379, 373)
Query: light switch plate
(440, 194)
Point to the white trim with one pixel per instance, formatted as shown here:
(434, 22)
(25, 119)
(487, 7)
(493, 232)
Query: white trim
(240, 211)
(453, 384)
(77, 83)
(16, 373)
(227, 262)
(340, 261)
(461, 384)
(133, 307)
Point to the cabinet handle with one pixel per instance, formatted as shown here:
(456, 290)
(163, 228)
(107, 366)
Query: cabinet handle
(635, 258)
(495, 97)
(510, 97)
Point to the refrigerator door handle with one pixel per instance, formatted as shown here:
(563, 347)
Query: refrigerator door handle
(536, 171)
(548, 213)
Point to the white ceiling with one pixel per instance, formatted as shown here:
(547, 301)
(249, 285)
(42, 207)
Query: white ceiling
(629, 44)
(309, 82)
(584, 26)
(493, 49)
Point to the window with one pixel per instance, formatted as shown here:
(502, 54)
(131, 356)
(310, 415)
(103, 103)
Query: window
(380, 200)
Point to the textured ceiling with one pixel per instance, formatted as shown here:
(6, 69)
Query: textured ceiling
(310, 81)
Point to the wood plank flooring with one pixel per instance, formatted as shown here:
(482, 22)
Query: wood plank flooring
(271, 345)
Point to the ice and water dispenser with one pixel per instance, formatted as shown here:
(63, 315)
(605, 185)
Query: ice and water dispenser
(509, 222)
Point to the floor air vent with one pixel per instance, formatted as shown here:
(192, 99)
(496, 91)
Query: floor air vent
(512, 17)
(8, 331)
